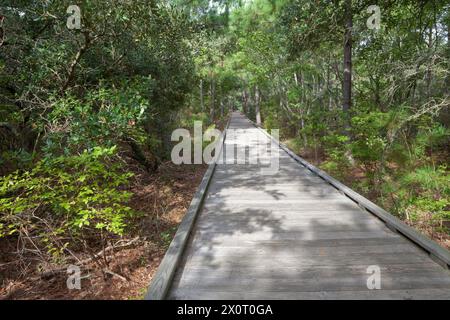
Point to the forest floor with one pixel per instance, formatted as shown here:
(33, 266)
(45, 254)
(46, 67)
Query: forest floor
(163, 197)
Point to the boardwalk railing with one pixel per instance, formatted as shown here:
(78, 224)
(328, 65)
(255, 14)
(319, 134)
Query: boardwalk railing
(436, 252)
(163, 278)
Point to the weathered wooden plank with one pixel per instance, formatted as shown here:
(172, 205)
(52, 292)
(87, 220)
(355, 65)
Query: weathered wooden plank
(278, 213)
(281, 271)
(249, 233)
(277, 252)
(268, 201)
(329, 243)
(286, 170)
(275, 197)
(277, 193)
(286, 188)
(280, 177)
(299, 206)
(288, 219)
(262, 184)
(338, 282)
(295, 226)
(301, 260)
(411, 294)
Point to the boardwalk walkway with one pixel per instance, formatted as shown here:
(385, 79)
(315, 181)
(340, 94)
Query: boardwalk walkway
(291, 235)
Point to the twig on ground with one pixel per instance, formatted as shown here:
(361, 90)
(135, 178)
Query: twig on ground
(115, 275)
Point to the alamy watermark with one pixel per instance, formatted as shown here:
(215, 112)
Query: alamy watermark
(242, 146)
(74, 277)
(74, 20)
(374, 21)
(374, 280)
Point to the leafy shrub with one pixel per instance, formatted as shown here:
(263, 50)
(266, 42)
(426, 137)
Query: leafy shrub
(428, 138)
(187, 120)
(105, 116)
(369, 136)
(337, 163)
(270, 122)
(428, 179)
(424, 191)
(294, 144)
(67, 197)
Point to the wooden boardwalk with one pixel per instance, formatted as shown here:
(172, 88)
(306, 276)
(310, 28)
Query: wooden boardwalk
(292, 235)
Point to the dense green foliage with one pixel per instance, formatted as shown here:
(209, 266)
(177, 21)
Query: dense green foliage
(395, 131)
(76, 103)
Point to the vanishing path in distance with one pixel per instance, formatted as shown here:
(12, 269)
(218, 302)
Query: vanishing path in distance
(292, 235)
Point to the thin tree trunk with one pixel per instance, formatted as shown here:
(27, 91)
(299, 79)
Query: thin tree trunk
(76, 60)
(246, 106)
(447, 80)
(347, 85)
(448, 54)
(429, 75)
(302, 111)
(202, 106)
(329, 83)
(257, 106)
(150, 163)
(212, 91)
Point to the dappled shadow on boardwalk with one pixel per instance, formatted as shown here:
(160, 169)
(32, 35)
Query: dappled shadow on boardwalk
(292, 236)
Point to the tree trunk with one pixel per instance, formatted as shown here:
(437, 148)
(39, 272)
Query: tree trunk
(347, 84)
(257, 107)
(429, 75)
(302, 110)
(448, 48)
(245, 101)
(150, 163)
(202, 107)
(448, 53)
(329, 83)
(75, 62)
(212, 89)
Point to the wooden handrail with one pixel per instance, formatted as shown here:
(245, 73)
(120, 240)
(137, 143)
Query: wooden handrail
(162, 280)
(436, 252)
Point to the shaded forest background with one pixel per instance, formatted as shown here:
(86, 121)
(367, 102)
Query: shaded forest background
(85, 114)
